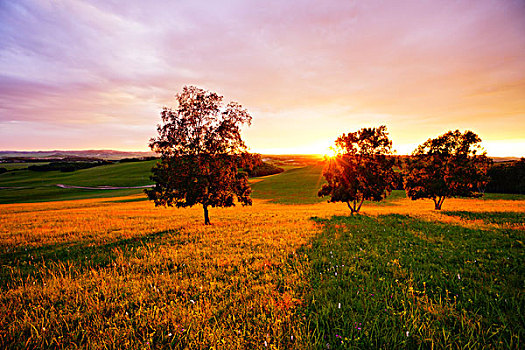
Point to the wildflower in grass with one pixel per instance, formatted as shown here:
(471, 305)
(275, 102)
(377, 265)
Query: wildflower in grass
(408, 333)
(339, 305)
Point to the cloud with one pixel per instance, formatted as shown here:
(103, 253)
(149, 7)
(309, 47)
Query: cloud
(420, 66)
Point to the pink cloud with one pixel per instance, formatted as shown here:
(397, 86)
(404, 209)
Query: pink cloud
(416, 65)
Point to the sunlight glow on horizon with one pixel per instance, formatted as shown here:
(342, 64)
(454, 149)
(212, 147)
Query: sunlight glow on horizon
(307, 71)
(512, 149)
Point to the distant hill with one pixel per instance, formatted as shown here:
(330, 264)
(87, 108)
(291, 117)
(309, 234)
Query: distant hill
(298, 159)
(57, 154)
(504, 159)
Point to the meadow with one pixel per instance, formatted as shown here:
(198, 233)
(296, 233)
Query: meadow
(290, 272)
(26, 186)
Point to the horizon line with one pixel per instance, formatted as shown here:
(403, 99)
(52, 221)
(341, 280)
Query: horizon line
(261, 153)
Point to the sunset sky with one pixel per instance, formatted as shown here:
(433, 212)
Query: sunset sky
(95, 74)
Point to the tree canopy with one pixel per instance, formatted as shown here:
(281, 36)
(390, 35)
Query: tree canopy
(451, 165)
(507, 177)
(201, 150)
(361, 170)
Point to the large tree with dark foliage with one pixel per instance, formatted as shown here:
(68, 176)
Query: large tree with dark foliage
(361, 170)
(507, 177)
(201, 150)
(451, 165)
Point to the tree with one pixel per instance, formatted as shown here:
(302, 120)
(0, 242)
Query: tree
(201, 150)
(361, 170)
(447, 166)
(505, 177)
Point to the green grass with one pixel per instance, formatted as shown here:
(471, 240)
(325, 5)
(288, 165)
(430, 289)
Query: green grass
(27, 186)
(300, 186)
(504, 217)
(297, 185)
(396, 282)
(13, 166)
(294, 186)
(504, 196)
(390, 282)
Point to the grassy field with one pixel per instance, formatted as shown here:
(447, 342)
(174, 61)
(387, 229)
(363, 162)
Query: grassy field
(120, 273)
(393, 281)
(13, 166)
(299, 184)
(26, 186)
(294, 186)
(501, 218)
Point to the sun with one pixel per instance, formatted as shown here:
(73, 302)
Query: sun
(330, 152)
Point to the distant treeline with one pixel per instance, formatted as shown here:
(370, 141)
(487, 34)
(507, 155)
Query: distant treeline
(140, 159)
(264, 169)
(40, 160)
(68, 166)
(72, 159)
(507, 177)
(259, 168)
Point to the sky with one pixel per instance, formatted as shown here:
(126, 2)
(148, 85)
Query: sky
(89, 74)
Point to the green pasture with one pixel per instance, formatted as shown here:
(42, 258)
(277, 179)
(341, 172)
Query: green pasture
(26, 186)
(495, 217)
(504, 196)
(297, 185)
(300, 186)
(13, 166)
(393, 282)
(386, 282)
(294, 186)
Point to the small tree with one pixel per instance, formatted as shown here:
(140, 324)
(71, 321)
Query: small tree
(361, 170)
(447, 166)
(201, 150)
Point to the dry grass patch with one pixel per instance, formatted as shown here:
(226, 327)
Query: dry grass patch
(107, 273)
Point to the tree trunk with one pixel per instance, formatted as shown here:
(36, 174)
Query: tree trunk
(438, 203)
(351, 208)
(354, 208)
(360, 204)
(206, 217)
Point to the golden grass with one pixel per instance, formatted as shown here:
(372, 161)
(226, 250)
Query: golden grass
(99, 220)
(424, 209)
(235, 284)
(237, 281)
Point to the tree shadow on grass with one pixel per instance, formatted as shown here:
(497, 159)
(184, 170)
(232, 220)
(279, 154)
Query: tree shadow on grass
(394, 281)
(18, 265)
(130, 200)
